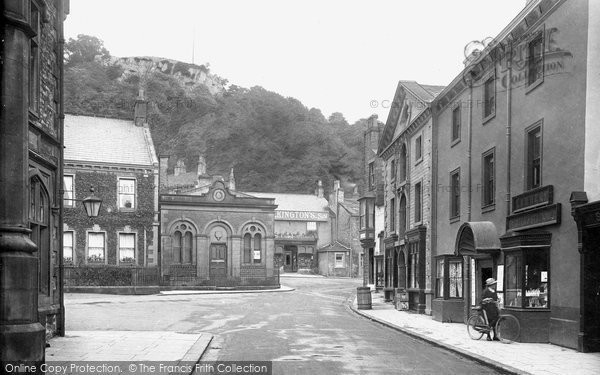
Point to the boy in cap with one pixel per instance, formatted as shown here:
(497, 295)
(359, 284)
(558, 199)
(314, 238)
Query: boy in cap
(489, 302)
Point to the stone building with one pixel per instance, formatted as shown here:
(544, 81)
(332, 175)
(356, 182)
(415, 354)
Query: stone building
(342, 256)
(372, 219)
(517, 147)
(211, 234)
(115, 157)
(302, 225)
(31, 134)
(406, 150)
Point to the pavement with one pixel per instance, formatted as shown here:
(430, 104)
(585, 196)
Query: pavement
(515, 358)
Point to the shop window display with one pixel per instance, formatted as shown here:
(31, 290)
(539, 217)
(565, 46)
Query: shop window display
(527, 279)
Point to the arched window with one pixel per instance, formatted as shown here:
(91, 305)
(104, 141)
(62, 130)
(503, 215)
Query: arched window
(183, 243)
(253, 235)
(40, 233)
(177, 247)
(402, 216)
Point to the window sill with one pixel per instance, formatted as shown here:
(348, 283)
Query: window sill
(455, 142)
(526, 309)
(532, 86)
(454, 219)
(488, 118)
(124, 209)
(488, 208)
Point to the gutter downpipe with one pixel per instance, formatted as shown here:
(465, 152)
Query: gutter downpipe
(469, 148)
(508, 126)
(60, 17)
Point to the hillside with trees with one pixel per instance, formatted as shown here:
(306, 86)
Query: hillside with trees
(274, 143)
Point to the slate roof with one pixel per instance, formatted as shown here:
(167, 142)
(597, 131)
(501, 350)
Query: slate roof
(107, 140)
(351, 205)
(183, 179)
(295, 202)
(424, 92)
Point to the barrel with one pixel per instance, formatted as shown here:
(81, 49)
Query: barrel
(363, 297)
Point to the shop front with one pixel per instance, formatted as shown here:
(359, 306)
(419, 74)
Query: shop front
(587, 217)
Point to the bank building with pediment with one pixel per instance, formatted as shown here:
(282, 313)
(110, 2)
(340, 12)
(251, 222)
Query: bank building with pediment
(211, 234)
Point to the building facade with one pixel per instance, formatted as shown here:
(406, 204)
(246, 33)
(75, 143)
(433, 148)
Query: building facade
(302, 225)
(31, 138)
(212, 235)
(343, 255)
(406, 150)
(516, 148)
(117, 158)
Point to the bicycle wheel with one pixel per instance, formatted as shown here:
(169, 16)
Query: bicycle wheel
(508, 328)
(476, 326)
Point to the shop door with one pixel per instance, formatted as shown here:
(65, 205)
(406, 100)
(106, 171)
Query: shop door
(218, 261)
(591, 291)
(291, 259)
(484, 270)
(371, 262)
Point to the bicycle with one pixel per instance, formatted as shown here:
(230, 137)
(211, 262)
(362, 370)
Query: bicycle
(507, 327)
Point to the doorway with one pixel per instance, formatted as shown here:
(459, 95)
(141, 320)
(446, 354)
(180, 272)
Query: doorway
(290, 263)
(590, 290)
(218, 261)
(371, 263)
(484, 270)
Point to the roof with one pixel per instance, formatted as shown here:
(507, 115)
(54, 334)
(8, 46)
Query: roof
(295, 202)
(424, 92)
(351, 206)
(334, 246)
(183, 179)
(107, 140)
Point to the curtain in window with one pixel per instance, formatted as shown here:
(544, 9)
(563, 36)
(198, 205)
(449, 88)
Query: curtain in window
(455, 271)
(96, 247)
(126, 247)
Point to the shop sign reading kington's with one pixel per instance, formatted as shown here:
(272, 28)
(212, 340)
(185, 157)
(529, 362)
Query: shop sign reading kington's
(301, 215)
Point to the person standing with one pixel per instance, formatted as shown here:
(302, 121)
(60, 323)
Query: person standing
(489, 302)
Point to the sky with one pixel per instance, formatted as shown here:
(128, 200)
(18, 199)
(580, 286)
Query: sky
(338, 56)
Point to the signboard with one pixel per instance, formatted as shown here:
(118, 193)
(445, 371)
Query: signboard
(301, 215)
(257, 254)
(534, 218)
(535, 198)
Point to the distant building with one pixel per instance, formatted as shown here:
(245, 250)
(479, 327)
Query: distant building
(371, 220)
(211, 234)
(342, 256)
(117, 158)
(302, 225)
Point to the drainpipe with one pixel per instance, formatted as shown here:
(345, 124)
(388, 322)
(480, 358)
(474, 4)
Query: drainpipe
(508, 126)
(469, 147)
(61, 120)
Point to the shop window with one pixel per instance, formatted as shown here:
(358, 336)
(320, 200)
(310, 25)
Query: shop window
(456, 124)
(69, 191)
(253, 235)
(489, 98)
(68, 239)
(126, 193)
(96, 248)
(449, 277)
(418, 209)
(40, 232)
(535, 60)
(526, 278)
(488, 179)
(534, 158)
(339, 260)
(439, 278)
(455, 194)
(127, 248)
(371, 175)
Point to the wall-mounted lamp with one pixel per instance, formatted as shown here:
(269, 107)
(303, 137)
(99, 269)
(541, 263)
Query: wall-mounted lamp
(92, 204)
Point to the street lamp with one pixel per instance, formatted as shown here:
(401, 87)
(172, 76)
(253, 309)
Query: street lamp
(92, 204)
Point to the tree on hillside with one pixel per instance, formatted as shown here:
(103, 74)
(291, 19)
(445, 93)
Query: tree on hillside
(84, 49)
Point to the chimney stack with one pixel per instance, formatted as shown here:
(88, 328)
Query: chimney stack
(231, 181)
(140, 110)
(338, 191)
(163, 165)
(180, 167)
(319, 191)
